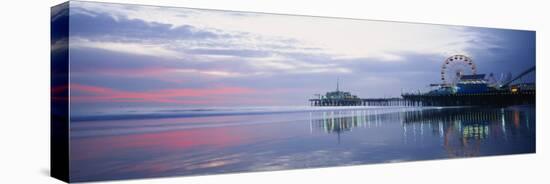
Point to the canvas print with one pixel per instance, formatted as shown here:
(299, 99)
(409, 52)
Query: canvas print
(146, 91)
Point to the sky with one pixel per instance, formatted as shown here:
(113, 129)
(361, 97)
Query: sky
(147, 56)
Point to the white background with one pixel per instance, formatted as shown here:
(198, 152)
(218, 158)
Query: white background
(24, 90)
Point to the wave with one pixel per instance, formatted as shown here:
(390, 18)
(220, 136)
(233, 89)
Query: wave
(155, 113)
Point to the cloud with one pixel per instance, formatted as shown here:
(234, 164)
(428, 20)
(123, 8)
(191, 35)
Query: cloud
(123, 57)
(88, 93)
(248, 44)
(116, 32)
(339, 37)
(215, 73)
(156, 50)
(147, 49)
(59, 45)
(99, 25)
(230, 52)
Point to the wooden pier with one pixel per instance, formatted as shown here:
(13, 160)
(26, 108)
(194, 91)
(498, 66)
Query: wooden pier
(362, 102)
(494, 98)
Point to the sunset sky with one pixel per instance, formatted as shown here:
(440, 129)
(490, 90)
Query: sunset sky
(128, 55)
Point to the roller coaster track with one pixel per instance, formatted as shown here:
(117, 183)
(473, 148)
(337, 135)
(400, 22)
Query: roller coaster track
(519, 76)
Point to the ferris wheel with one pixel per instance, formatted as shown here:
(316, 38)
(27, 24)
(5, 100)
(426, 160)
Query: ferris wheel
(455, 67)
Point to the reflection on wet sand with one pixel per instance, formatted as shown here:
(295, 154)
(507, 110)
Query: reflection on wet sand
(342, 121)
(462, 130)
(204, 145)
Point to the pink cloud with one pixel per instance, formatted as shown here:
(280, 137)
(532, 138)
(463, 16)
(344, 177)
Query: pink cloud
(151, 71)
(199, 96)
(59, 89)
(57, 92)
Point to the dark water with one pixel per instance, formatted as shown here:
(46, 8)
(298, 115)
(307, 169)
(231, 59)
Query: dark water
(123, 149)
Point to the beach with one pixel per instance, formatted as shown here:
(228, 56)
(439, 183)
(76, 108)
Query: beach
(202, 141)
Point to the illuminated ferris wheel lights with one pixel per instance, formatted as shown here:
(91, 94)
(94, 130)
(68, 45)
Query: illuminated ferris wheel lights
(456, 66)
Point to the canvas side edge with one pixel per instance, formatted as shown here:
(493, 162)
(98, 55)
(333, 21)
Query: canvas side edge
(59, 96)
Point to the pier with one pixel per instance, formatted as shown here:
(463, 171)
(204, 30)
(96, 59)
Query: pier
(495, 98)
(463, 90)
(362, 102)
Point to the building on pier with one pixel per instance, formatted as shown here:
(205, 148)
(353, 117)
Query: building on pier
(472, 84)
(336, 98)
(343, 98)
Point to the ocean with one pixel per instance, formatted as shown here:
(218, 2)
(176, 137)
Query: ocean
(136, 143)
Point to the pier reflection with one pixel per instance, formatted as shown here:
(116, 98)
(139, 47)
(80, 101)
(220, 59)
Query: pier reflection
(343, 121)
(460, 131)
